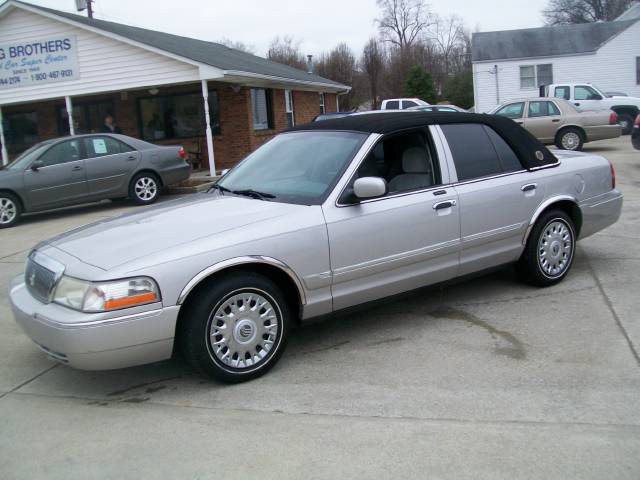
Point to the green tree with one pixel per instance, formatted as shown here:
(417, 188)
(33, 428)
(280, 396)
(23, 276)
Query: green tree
(459, 89)
(419, 84)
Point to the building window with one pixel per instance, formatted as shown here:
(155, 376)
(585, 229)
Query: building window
(261, 109)
(177, 116)
(20, 130)
(533, 76)
(288, 107)
(88, 117)
(322, 104)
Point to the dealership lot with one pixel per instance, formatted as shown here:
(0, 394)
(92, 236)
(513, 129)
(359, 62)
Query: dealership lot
(486, 378)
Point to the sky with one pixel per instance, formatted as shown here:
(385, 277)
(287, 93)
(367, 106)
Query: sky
(318, 25)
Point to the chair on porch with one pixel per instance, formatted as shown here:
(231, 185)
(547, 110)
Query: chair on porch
(196, 154)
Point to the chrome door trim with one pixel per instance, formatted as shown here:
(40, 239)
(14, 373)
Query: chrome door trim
(231, 262)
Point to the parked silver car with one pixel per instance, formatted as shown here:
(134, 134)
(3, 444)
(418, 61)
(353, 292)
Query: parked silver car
(329, 215)
(87, 168)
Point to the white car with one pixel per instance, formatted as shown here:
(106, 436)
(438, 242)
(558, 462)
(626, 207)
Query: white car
(402, 103)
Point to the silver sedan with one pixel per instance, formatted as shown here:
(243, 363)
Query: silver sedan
(319, 219)
(87, 168)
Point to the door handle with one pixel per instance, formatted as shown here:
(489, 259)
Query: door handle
(577, 104)
(529, 187)
(555, 120)
(76, 168)
(445, 204)
(131, 157)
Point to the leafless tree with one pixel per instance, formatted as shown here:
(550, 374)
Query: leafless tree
(237, 45)
(372, 64)
(403, 21)
(287, 51)
(447, 35)
(561, 12)
(338, 65)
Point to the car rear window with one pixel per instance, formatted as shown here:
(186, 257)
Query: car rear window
(478, 151)
(392, 105)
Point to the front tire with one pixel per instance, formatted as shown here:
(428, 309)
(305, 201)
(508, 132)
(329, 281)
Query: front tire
(550, 249)
(570, 139)
(144, 188)
(236, 328)
(10, 210)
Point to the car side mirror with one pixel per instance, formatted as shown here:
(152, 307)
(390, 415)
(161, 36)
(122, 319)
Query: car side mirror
(369, 187)
(38, 164)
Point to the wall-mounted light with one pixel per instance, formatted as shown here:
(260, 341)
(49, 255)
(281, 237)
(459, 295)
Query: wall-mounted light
(154, 91)
(236, 88)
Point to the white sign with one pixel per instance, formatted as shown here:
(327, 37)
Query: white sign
(99, 146)
(38, 61)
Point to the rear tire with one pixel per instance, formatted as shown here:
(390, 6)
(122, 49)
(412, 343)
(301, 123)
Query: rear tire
(626, 121)
(236, 328)
(570, 139)
(548, 255)
(144, 188)
(10, 210)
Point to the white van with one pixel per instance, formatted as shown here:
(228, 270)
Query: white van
(402, 103)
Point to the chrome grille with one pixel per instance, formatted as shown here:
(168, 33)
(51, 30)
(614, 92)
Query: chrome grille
(40, 280)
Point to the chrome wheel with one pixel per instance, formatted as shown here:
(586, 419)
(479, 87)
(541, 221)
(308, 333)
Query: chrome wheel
(570, 141)
(244, 329)
(146, 188)
(8, 211)
(555, 248)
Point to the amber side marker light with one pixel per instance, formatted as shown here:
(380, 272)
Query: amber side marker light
(125, 302)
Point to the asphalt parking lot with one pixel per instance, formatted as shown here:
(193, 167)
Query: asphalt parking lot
(487, 378)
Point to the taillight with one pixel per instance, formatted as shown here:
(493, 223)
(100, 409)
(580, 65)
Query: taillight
(613, 175)
(637, 122)
(182, 154)
(613, 118)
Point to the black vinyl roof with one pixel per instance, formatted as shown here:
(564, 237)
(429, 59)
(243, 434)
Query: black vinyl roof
(531, 152)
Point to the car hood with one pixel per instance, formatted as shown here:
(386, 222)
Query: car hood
(120, 240)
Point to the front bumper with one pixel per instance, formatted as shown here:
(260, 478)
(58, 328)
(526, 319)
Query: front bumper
(95, 341)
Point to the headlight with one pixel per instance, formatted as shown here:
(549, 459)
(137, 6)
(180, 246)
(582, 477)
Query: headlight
(105, 296)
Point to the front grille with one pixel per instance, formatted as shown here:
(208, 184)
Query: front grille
(40, 280)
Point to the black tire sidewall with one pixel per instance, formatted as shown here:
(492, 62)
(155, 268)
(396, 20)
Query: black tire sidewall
(132, 188)
(566, 131)
(18, 205)
(529, 266)
(195, 342)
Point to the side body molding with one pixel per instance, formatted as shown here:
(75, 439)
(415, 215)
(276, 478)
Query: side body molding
(232, 262)
(541, 208)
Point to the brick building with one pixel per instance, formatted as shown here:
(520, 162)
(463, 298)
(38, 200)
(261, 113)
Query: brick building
(62, 73)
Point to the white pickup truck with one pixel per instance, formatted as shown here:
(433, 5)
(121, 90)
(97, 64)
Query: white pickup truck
(586, 96)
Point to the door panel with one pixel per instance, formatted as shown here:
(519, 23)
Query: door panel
(61, 180)
(109, 165)
(387, 246)
(543, 120)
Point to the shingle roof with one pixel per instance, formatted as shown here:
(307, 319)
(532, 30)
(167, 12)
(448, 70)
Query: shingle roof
(209, 53)
(545, 41)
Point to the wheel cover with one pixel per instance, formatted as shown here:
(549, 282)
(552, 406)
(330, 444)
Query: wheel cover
(624, 123)
(244, 329)
(146, 188)
(8, 211)
(570, 140)
(555, 248)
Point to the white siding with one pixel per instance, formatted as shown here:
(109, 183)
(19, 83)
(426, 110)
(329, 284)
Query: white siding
(613, 67)
(105, 64)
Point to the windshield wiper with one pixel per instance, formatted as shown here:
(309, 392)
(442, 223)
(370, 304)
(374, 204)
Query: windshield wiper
(222, 189)
(249, 192)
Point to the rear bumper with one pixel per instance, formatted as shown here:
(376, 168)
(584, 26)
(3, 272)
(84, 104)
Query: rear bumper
(91, 341)
(602, 132)
(175, 174)
(600, 212)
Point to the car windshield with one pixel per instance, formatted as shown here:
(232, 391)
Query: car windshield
(296, 167)
(26, 157)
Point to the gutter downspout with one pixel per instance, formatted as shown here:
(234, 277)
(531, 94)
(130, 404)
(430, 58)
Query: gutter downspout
(5, 153)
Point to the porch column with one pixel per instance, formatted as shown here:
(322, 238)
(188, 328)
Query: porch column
(207, 118)
(337, 102)
(67, 101)
(5, 153)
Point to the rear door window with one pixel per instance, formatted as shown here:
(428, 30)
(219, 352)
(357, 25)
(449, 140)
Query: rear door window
(513, 110)
(478, 151)
(562, 92)
(392, 105)
(542, 109)
(103, 146)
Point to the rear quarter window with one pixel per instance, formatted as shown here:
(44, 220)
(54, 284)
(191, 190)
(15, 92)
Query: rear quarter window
(478, 151)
